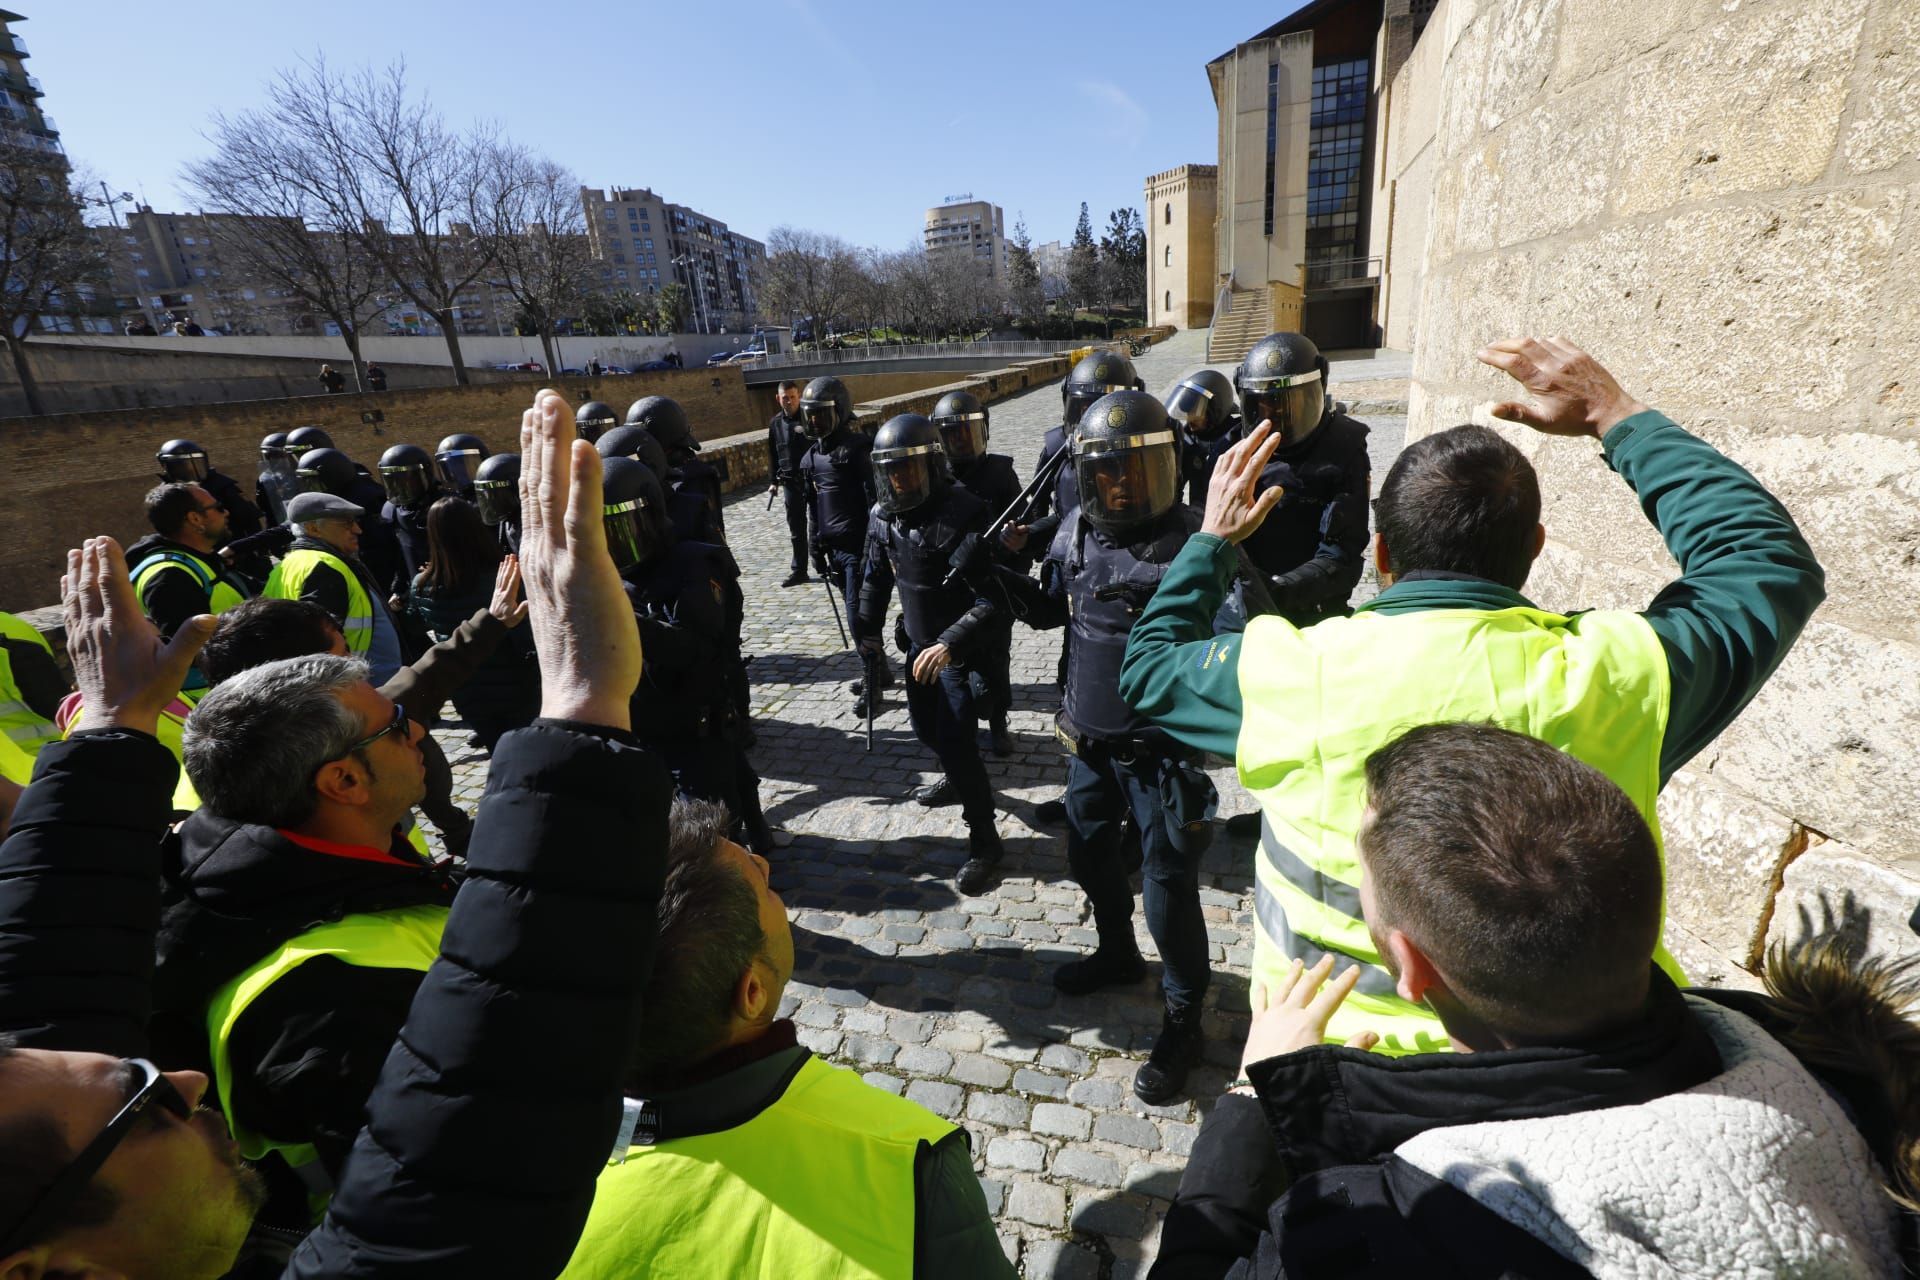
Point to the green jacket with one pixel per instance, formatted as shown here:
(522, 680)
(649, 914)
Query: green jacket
(1748, 583)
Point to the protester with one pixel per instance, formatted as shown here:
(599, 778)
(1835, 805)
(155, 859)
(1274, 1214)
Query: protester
(177, 571)
(742, 1154)
(1594, 1119)
(332, 380)
(31, 688)
(323, 565)
(1634, 694)
(464, 1169)
(451, 590)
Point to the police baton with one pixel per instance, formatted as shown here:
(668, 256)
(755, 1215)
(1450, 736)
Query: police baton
(1022, 505)
(834, 606)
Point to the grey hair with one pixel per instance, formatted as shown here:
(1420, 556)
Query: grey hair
(253, 743)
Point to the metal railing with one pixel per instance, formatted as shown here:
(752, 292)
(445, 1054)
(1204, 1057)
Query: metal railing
(1328, 272)
(921, 351)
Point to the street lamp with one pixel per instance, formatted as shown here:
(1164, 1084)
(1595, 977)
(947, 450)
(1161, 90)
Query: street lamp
(699, 290)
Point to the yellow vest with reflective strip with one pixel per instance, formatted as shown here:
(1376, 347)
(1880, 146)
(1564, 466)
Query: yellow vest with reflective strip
(406, 938)
(25, 730)
(819, 1184)
(290, 576)
(169, 729)
(221, 594)
(1316, 702)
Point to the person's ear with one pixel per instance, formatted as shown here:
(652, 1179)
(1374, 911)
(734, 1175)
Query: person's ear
(342, 781)
(1539, 542)
(1382, 561)
(752, 994)
(1417, 974)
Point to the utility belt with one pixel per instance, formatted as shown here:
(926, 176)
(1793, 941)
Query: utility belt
(1132, 750)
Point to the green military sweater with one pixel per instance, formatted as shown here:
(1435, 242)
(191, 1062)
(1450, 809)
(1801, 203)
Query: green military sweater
(1748, 583)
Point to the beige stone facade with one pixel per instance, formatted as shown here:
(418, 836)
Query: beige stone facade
(642, 242)
(972, 229)
(1722, 203)
(1180, 246)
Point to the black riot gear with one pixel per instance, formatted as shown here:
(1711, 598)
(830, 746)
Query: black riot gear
(1099, 374)
(1204, 405)
(1283, 380)
(635, 510)
(496, 489)
(182, 462)
(635, 442)
(459, 455)
(962, 420)
(329, 470)
(666, 422)
(276, 481)
(1126, 461)
(301, 439)
(406, 473)
(594, 419)
(909, 463)
(825, 406)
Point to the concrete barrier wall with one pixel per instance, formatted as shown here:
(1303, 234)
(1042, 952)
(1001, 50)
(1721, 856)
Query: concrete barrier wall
(1722, 203)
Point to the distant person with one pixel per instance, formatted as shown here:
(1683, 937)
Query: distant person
(376, 377)
(593, 367)
(449, 591)
(192, 329)
(787, 444)
(138, 326)
(331, 379)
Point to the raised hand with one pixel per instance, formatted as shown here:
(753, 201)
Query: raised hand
(507, 604)
(1233, 510)
(1572, 394)
(1293, 1017)
(126, 673)
(584, 632)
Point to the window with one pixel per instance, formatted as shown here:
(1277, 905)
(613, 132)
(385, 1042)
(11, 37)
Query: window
(1168, 304)
(1273, 134)
(200, 271)
(143, 273)
(186, 239)
(1336, 153)
(649, 242)
(621, 274)
(1169, 257)
(1169, 213)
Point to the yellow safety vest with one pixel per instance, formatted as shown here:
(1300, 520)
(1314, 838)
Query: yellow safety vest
(819, 1184)
(25, 730)
(220, 590)
(289, 577)
(405, 938)
(1316, 702)
(169, 728)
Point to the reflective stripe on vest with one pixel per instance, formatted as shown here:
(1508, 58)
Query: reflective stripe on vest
(221, 594)
(25, 729)
(16, 765)
(290, 577)
(407, 938)
(1317, 702)
(170, 729)
(820, 1183)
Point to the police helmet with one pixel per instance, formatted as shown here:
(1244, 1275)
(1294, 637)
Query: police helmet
(458, 455)
(825, 406)
(496, 488)
(666, 422)
(301, 439)
(327, 470)
(635, 511)
(1126, 460)
(182, 462)
(909, 463)
(962, 420)
(406, 473)
(593, 419)
(276, 460)
(634, 442)
(1099, 374)
(1203, 404)
(1283, 380)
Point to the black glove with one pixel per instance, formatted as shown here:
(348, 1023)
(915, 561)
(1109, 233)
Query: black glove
(971, 556)
(821, 565)
(900, 638)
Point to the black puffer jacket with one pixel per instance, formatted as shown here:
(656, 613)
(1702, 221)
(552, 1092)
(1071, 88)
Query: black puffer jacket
(465, 1168)
(502, 692)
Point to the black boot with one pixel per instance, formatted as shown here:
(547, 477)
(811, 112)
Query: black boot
(1164, 1074)
(937, 795)
(998, 735)
(1051, 813)
(795, 578)
(984, 852)
(1106, 967)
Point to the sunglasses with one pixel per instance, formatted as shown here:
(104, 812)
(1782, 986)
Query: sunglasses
(149, 1088)
(397, 725)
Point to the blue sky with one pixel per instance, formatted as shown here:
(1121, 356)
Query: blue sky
(845, 117)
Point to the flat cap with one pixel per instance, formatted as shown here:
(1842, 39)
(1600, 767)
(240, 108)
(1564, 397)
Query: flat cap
(321, 506)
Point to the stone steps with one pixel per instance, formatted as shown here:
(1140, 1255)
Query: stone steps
(1234, 334)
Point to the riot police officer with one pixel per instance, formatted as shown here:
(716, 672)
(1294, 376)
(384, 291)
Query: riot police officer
(838, 476)
(593, 420)
(918, 524)
(184, 462)
(691, 514)
(963, 423)
(301, 439)
(686, 598)
(1101, 569)
(786, 445)
(275, 484)
(459, 456)
(496, 491)
(667, 423)
(1310, 550)
(407, 474)
(1207, 415)
(1098, 374)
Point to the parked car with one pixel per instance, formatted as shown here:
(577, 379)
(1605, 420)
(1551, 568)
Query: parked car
(616, 369)
(649, 366)
(524, 366)
(719, 357)
(746, 357)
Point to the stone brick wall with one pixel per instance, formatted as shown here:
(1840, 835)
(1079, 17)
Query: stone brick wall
(72, 475)
(1722, 202)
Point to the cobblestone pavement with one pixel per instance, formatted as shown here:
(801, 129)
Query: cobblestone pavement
(948, 999)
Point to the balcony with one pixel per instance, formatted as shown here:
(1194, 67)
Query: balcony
(13, 44)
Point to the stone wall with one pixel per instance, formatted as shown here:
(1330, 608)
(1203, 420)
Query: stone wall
(72, 475)
(1722, 202)
(1403, 176)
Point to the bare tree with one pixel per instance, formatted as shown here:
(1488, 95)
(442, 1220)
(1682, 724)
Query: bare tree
(809, 273)
(538, 233)
(49, 257)
(292, 218)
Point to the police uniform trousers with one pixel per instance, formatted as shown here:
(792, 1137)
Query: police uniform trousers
(1105, 783)
(845, 566)
(793, 492)
(710, 766)
(992, 664)
(944, 716)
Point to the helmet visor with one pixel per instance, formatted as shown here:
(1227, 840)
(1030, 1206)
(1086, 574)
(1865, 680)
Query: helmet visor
(1081, 394)
(905, 477)
(591, 429)
(818, 418)
(1293, 404)
(498, 500)
(458, 466)
(1198, 410)
(1126, 480)
(965, 435)
(183, 468)
(405, 484)
(277, 463)
(631, 536)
